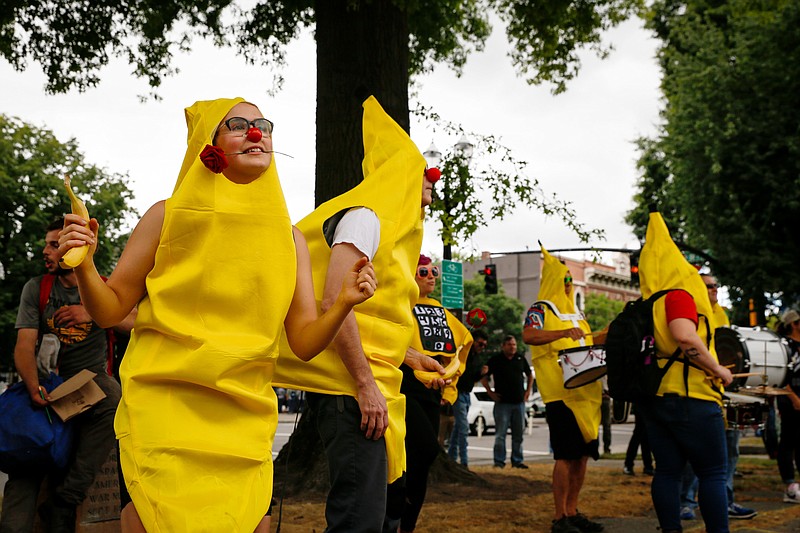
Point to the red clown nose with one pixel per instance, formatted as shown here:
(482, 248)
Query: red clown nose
(433, 174)
(254, 135)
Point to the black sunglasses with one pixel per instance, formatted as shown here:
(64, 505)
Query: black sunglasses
(712, 286)
(423, 272)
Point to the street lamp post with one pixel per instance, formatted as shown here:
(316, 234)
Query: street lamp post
(463, 150)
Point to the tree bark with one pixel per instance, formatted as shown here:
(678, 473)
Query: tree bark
(362, 50)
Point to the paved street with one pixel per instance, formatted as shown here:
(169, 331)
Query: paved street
(535, 445)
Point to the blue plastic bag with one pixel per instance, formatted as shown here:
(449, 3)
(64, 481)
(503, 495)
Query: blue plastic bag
(29, 440)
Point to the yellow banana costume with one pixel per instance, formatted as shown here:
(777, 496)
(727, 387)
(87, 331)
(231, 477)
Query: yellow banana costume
(460, 337)
(392, 188)
(720, 316)
(583, 401)
(662, 266)
(198, 413)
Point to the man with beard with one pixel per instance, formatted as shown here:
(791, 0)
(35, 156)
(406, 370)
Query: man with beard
(83, 345)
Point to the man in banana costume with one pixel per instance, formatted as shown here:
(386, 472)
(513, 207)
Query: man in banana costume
(356, 380)
(198, 413)
(684, 420)
(553, 324)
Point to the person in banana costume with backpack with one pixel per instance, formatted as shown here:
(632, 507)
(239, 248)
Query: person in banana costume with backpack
(684, 419)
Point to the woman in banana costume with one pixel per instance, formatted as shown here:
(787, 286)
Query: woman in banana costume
(684, 421)
(573, 415)
(198, 412)
(441, 335)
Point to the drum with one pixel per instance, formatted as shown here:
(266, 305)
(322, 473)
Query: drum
(744, 411)
(753, 350)
(582, 365)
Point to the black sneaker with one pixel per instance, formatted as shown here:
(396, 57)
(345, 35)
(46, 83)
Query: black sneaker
(584, 524)
(563, 525)
(519, 465)
(649, 471)
(628, 471)
(499, 465)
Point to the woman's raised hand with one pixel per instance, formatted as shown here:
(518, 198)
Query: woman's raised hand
(76, 234)
(360, 283)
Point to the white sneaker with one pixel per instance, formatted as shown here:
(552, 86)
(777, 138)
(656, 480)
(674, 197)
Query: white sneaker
(792, 494)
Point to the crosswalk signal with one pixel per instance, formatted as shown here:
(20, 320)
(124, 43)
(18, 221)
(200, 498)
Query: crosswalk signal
(489, 279)
(634, 260)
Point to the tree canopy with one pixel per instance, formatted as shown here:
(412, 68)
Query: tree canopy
(363, 47)
(726, 168)
(32, 166)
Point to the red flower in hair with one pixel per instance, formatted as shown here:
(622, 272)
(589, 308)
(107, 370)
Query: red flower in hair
(214, 159)
(476, 318)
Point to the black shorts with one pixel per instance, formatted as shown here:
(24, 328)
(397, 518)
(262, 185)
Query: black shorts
(566, 438)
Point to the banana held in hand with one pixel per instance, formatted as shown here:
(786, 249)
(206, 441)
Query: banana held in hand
(449, 371)
(75, 256)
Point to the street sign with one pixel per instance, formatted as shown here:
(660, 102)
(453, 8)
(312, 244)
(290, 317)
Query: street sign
(452, 285)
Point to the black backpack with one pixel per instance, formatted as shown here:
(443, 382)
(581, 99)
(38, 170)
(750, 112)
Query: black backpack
(631, 362)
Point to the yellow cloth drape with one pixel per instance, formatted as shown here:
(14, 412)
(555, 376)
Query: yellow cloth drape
(583, 401)
(392, 188)
(663, 266)
(461, 337)
(198, 413)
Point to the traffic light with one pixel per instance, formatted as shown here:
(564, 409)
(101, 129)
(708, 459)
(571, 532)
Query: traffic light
(634, 260)
(489, 279)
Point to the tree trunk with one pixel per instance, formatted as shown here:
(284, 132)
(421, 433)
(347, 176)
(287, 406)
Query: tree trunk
(301, 467)
(362, 50)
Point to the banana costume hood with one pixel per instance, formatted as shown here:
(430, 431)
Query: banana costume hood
(198, 412)
(663, 266)
(583, 401)
(392, 188)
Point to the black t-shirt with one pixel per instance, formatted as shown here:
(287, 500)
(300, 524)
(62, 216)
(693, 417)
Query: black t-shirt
(510, 377)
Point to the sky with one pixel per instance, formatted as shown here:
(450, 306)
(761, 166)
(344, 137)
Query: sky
(579, 144)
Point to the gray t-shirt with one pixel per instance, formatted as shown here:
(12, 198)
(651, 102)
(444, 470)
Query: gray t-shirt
(83, 346)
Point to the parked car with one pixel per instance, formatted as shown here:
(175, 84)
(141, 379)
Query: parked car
(481, 410)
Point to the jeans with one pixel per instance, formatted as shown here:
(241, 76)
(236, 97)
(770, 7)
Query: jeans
(506, 414)
(732, 441)
(94, 438)
(684, 429)
(458, 437)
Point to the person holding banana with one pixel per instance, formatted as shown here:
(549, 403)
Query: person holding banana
(198, 413)
(438, 334)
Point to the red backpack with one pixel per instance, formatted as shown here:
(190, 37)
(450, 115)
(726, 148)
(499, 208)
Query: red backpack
(44, 296)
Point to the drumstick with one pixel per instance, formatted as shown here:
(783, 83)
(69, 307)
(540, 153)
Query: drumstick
(743, 375)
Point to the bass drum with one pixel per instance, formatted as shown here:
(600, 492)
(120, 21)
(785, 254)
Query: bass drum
(753, 350)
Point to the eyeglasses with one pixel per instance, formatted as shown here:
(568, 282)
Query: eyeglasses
(241, 125)
(712, 286)
(568, 279)
(423, 272)
(481, 344)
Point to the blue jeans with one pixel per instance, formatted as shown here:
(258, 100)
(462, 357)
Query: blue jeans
(685, 429)
(506, 414)
(732, 439)
(458, 437)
